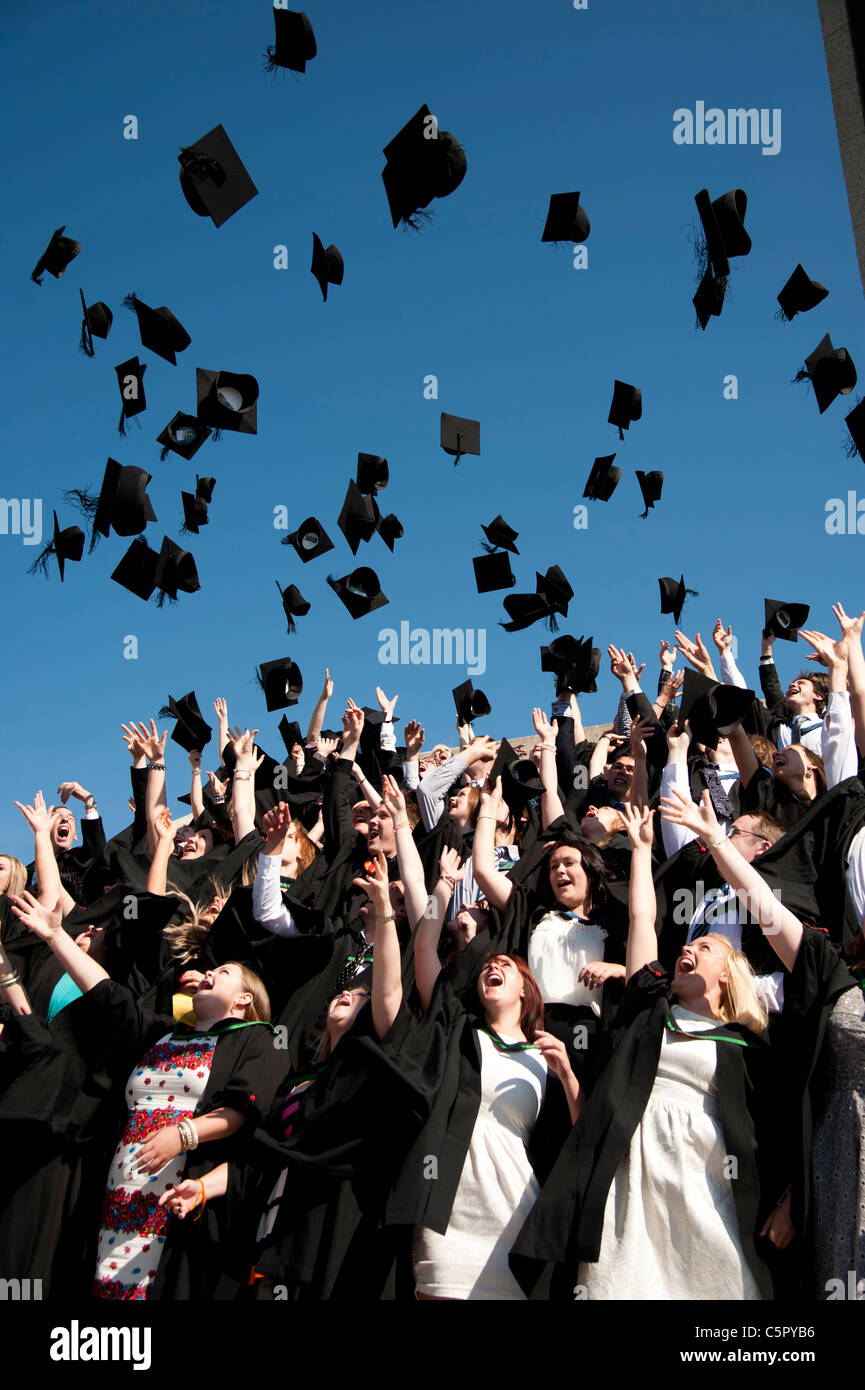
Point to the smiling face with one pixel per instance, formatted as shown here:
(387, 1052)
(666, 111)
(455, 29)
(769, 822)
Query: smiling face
(213, 909)
(458, 806)
(619, 775)
(361, 815)
(568, 878)
(599, 822)
(63, 831)
(801, 695)
(500, 984)
(342, 1012)
(192, 844)
(382, 839)
(220, 994)
(792, 769)
(701, 973)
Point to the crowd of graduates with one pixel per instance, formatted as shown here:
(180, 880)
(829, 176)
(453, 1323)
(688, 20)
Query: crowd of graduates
(561, 1019)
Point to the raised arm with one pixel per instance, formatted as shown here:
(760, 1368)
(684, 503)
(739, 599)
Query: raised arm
(414, 737)
(248, 761)
(495, 887)
(196, 796)
(852, 630)
(746, 759)
(551, 802)
(157, 875)
(220, 709)
(387, 961)
(154, 750)
(781, 928)
(642, 941)
(638, 791)
(410, 866)
(696, 654)
(723, 639)
(47, 924)
(39, 818)
(838, 743)
(316, 723)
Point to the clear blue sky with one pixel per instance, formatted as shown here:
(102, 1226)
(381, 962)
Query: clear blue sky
(544, 99)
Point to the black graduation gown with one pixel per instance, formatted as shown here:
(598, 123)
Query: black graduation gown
(565, 1226)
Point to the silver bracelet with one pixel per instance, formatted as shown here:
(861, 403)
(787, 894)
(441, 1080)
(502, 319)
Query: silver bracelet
(156, 767)
(242, 776)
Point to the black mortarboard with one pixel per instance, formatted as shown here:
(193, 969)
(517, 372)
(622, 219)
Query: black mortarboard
(390, 529)
(227, 400)
(295, 41)
(553, 594)
(214, 181)
(137, 570)
(724, 228)
(499, 533)
(294, 604)
(574, 662)
(626, 406)
(800, 294)
(673, 594)
(67, 544)
(175, 570)
(130, 383)
(194, 513)
(183, 435)
(470, 704)
(709, 299)
(493, 571)
(192, 729)
(327, 265)
(603, 479)
(855, 422)
(281, 682)
(423, 163)
(555, 588)
(160, 331)
(651, 485)
(122, 503)
(831, 372)
(96, 322)
(309, 540)
(360, 591)
(712, 710)
(359, 517)
(459, 436)
(520, 779)
(785, 619)
(290, 733)
(204, 488)
(372, 473)
(56, 256)
(566, 220)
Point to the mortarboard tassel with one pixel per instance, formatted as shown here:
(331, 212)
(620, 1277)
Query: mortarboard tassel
(85, 342)
(40, 564)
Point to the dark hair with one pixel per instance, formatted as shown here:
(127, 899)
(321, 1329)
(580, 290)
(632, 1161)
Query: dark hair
(820, 682)
(767, 826)
(596, 869)
(532, 1012)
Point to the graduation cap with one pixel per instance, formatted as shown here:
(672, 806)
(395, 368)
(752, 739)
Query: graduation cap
(785, 619)
(227, 400)
(137, 570)
(651, 485)
(327, 265)
(423, 163)
(520, 779)
(192, 730)
(194, 513)
(372, 473)
(95, 323)
(122, 502)
(800, 294)
(56, 256)
(204, 488)
(459, 436)
(175, 572)
(566, 220)
(493, 571)
(712, 710)
(309, 540)
(281, 682)
(359, 517)
(130, 383)
(213, 179)
(553, 594)
(290, 733)
(360, 591)
(830, 371)
(673, 594)
(625, 407)
(723, 228)
(709, 299)
(855, 422)
(160, 331)
(67, 544)
(184, 435)
(470, 704)
(499, 533)
(574, 662)
(603, 479)
(293, 603)
(295, 42)
(390, 529)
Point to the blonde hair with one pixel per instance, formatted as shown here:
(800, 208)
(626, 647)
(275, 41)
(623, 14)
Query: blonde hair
(187, 937)
(307, 850)
(17, 876)
(740, 1002)
(259, 1010)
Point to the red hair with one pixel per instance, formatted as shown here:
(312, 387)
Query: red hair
(532, 1012)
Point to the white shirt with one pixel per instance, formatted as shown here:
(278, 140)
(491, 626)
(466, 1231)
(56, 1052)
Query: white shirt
(559, 947)
(719, 909)
(268, 908)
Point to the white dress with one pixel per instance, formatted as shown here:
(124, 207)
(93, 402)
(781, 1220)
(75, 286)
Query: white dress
(497, 1187)
(670, 1224)
(559, 946)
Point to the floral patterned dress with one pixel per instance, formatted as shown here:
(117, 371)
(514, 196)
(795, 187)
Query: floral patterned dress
(165, 1087)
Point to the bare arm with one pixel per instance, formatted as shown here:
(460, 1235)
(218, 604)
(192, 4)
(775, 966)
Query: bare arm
(196, 796)
(642, 941)
(746, 759)
(410, 866)
(39, 818)
(47, 925)
(495, 887)
(387, 961)
(551, 803)
(316, 723)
